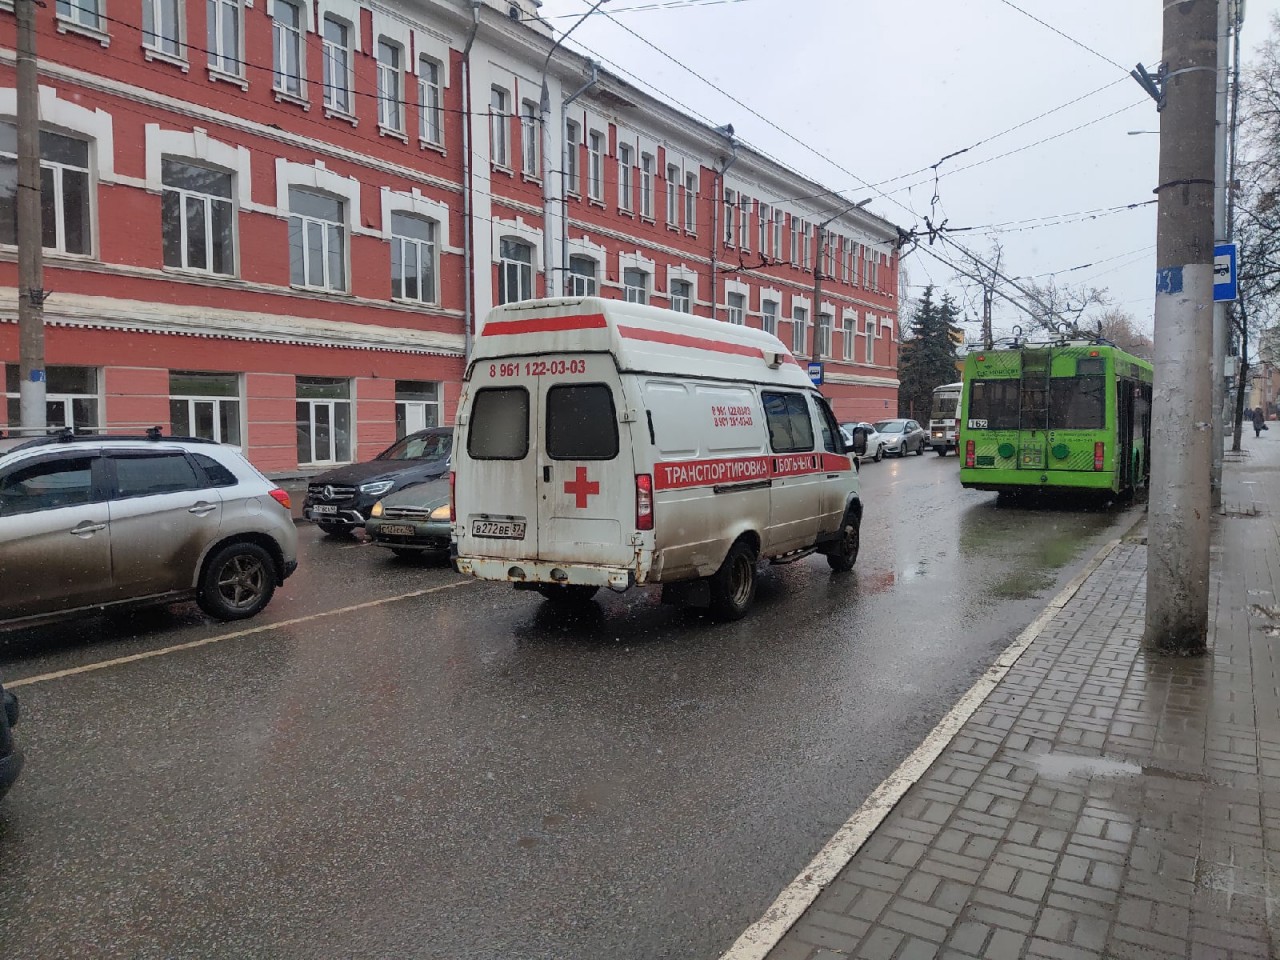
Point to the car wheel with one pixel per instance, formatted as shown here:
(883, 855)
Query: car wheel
(879, 453)
(920, 449)
(842, 558)
(941, 451)
(733, 586)
(573, 595)
(334, 529)
(238, 581)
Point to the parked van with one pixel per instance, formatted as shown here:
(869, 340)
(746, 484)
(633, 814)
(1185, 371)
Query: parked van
(609, 444)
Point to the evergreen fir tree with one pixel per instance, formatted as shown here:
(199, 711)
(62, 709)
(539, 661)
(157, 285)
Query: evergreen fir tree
(928, 358)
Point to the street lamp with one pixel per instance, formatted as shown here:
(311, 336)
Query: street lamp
(544, 107)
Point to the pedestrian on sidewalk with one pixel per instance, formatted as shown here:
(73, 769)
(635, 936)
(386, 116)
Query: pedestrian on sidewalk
(1259, 421)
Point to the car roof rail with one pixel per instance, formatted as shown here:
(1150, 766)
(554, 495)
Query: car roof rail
(71, 435)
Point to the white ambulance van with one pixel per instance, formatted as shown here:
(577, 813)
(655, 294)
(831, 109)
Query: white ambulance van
(608, 444)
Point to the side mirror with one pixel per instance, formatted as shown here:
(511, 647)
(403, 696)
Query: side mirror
(859, 441)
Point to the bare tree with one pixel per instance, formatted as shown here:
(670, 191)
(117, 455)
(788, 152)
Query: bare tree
(1050, 305)
(1119, 327)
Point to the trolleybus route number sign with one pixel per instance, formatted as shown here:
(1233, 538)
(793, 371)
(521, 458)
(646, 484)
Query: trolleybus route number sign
(977, 425)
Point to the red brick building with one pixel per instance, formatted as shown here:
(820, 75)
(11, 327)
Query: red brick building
(272, 222)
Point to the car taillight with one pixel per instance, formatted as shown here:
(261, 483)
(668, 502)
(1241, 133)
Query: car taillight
(969, 457)
(1099, 449)
(282, 498)
(644, 501)
(453, 486)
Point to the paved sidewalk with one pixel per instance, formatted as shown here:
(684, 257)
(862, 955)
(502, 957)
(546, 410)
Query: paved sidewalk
(1102, 802)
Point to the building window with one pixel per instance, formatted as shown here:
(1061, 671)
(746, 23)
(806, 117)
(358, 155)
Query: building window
(225, 39)
(337, 66)
(205, 405)
(873, 270)
(673, 195)
(737, 308)
(498, 126)
(86, 13)
(65, 203)
(691, 202)
(530, 140)
(769, 316)
(778, 222)
(287, 26)
(390, 86)
(417, 406)
(799, 333)
(869, 341)
(635, 285)
(324, 420)
(806, 245)
(197, 218)
(682, 296)
(413, 258)
(848, 330)
(162, 26)
(730, 208)
(430, 102)
(625, 181)
(646, 185)
(515, 272)
(71, 397)
(317, 241)
(572, 140)
(795, 242)
(582, 277)
(744, 223)
(595, 165)
(766, 227)
(822, 336)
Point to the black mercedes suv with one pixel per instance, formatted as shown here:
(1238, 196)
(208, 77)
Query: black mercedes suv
(341, 499)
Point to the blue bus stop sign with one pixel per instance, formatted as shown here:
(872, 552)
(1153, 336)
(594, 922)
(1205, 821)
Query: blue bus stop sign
(1224, 272)
(815, 372)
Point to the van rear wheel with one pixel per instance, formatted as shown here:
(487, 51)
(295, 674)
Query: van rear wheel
(733, 586)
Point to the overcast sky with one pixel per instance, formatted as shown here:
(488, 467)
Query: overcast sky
(878, 90)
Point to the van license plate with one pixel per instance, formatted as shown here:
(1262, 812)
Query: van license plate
(498, 529)
(324, 508)
(396, 530)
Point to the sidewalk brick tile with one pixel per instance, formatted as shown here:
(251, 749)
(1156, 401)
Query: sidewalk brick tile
(1103, 801)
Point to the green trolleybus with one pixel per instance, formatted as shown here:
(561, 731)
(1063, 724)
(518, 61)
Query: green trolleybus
(1069, 415)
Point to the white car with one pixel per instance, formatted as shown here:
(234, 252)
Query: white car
(875, 440)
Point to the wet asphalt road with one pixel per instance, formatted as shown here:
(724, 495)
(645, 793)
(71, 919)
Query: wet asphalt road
(464, 774)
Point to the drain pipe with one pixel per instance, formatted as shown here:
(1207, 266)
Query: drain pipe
(468, 219)
(564, 180)
(727, 132)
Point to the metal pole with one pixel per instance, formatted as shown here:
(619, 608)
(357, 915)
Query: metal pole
(1177, 612)
(1237, 17)
(1218, 370)
(30, 231)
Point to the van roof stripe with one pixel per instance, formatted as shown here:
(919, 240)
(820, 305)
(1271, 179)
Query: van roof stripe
(582, 321)
(684, 340)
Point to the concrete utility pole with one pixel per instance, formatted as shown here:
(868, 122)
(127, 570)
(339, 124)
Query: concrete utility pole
(31, 389)
(1181, 429)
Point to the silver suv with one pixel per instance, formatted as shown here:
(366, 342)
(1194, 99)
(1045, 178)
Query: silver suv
(89, 523)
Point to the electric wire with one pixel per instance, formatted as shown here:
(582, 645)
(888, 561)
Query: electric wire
(1066, 36)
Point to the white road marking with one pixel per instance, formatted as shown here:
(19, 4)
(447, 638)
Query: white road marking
(763, 935)
(234, 635)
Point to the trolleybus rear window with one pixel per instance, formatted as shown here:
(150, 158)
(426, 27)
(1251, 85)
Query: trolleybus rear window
(1077, 403)
(994, 403)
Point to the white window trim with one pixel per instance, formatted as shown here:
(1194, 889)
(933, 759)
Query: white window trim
(571, 277)
(415, 204)
(199, 147)
(530, 139)
(595, 187)
(217, 69)
(422, 101)
(92, 125)
(869, 340)
(353, 40)
(152, 51)
(744, 290)
(434, 299)
(396, 103)
(305, 25)
(208, 200)
(626, 176)
(316, 177)
(830, 314)
(849, 328)
(690, 276)
(638, 261)
(517, 229)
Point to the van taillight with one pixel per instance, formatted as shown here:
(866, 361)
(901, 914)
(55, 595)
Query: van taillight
(644, 501)
(969, 458)
(1098, 450)
(453, 499)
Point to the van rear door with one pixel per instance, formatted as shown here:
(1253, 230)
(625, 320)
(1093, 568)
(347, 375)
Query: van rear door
(501, 501)
(586, 466)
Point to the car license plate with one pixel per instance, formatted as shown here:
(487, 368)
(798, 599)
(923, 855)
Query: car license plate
(324, 508)
(396, 530)
(498, 529)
